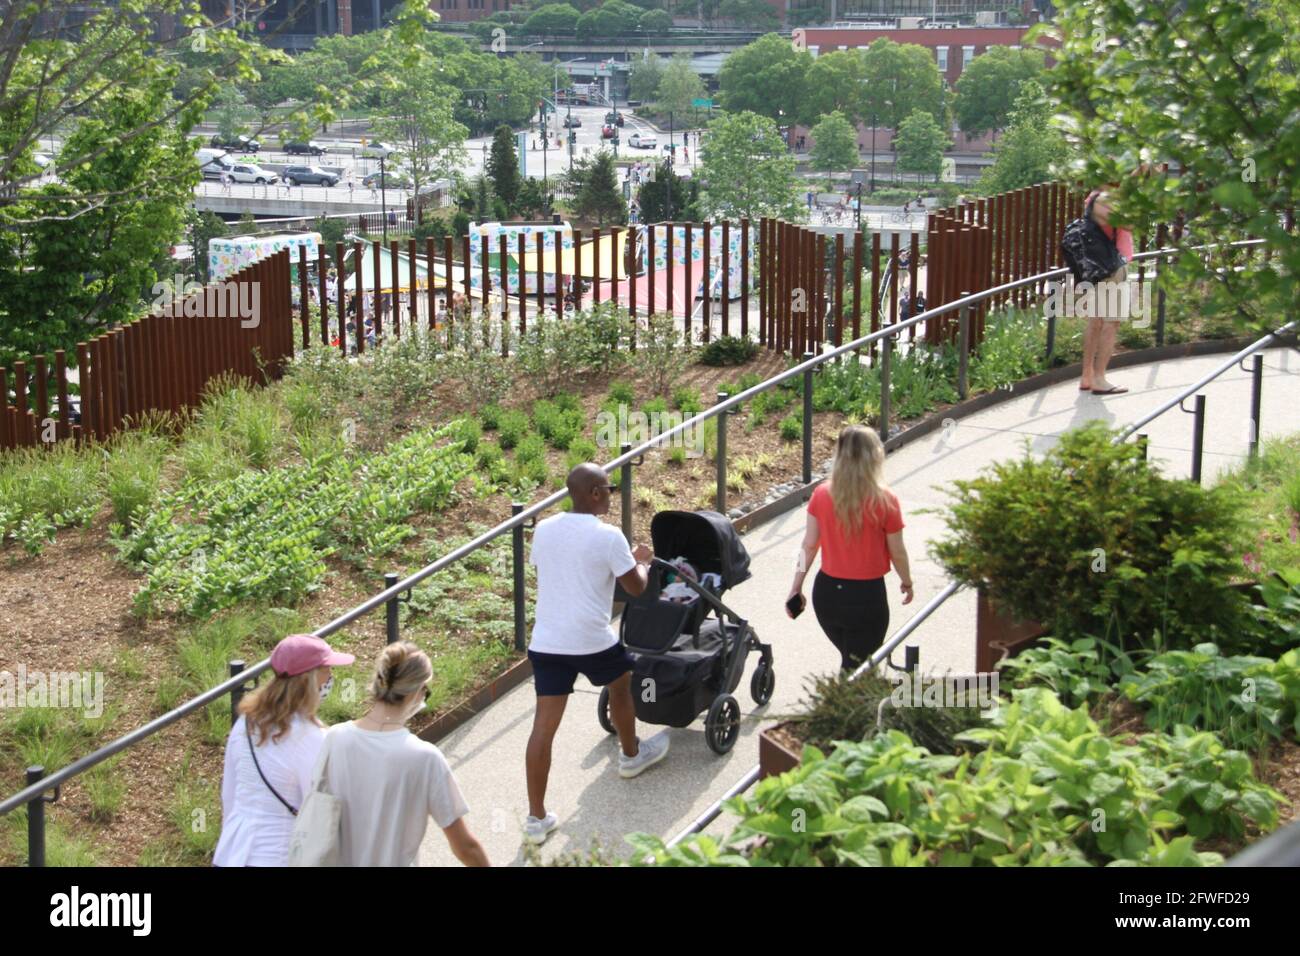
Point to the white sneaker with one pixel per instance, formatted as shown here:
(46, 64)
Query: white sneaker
(650, 753)
(536, 831)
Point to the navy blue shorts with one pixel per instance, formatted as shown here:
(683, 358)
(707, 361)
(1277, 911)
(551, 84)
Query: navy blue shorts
(554, 674)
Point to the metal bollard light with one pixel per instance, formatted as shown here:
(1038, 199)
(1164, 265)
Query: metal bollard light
(517, 558)
(807, 419)
(722, 458)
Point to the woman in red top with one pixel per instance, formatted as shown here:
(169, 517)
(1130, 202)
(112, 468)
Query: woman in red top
(857, 523)
(1111, 304)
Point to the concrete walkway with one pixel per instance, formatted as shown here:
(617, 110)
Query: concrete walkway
(593, 802)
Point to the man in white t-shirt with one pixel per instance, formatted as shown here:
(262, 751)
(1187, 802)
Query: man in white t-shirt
(578, 558)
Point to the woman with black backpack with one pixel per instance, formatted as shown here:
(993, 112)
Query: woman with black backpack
(1110, 302)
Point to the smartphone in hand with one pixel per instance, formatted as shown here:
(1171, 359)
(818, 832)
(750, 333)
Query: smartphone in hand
(796, 605)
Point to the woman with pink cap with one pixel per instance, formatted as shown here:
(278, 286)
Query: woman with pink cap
(271, 753)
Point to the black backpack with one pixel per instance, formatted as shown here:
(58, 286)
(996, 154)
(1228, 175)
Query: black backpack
(1088, 252)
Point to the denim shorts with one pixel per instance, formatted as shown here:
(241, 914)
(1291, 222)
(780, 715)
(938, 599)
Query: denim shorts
(555, 674)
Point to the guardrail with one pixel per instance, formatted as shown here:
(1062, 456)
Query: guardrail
(34, 794)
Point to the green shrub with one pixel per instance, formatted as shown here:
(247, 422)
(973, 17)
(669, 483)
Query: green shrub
(656, 406)
(469, 431)
(687, 401)
(621, 393)
(1092, 541)
(531, 448)
(487, 456)
(792, 428)
(728, 350)
(559, 426)
(581, 451)
(850, 388)
(921, 380)
(490, 417)
(42, 490)
(512, 426)
(1078, 673)
(663, 352)
(1011, 350)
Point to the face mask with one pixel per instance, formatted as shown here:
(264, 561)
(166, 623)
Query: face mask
(325, 688)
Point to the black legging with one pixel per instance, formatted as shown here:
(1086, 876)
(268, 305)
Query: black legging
(853, 613)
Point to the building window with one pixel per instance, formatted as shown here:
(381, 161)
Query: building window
(941, 53)
(967, 54)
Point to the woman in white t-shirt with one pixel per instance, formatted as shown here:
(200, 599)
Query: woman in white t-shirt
(390, 781)
(271, 753)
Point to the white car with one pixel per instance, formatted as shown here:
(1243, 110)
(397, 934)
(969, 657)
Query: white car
(251, 173)
(377, 150)
(642, 141)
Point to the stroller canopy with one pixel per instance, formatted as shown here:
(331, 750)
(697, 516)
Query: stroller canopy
(704, 538)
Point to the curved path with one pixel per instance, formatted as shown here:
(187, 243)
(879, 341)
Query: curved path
(593, 802)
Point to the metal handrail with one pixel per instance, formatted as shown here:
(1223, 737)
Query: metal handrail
(525, 516)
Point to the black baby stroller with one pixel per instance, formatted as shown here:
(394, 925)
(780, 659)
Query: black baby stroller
(686, 661)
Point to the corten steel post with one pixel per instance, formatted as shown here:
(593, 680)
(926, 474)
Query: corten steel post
(839, 290)
(379, 290)
(724, 263)
(485, 263)
(322, 297)
(650, 270)
(595, 269)
(857, 284)
(468, 276)
(790, 249)
(886, 387)
(503, 264)
(764, 277)
(20, 402)
(914, 253)
(668, 264)
(706, 319)
(359, 298)
(1035, 220)
(893, 278)
(413, 297)
(576, 285)
(797, 318)
(813, 276)
(875, 288)
(61, 385)
(430, 300)
(779, 297)
(819, 282)
(449, 295)
(85, 378)
(339, 304)
(614, 234)
(965, 268)
(689, 279)
(1022, 242)
(744, 277)
(303, 310)
(809, 286)
(395, 283)
(541, 277)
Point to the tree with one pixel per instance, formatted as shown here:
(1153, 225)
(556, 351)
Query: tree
(553, 19)
(757, 14)
(655, 22)
(767, 77)
(644, 76)
(483, 198)
(233, 113)
(747, 169)
(203, 227)
(834, 83)
(503, 165)
(1031, 151)
(1217, 98)
(654, 195)
(680, 86)
(835, 144)
(419, 119)
(898, 79)
(989, 86)
(920, 144)
(601, 197)
(611, 19)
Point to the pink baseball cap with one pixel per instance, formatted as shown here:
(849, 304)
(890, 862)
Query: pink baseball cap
(300, 653)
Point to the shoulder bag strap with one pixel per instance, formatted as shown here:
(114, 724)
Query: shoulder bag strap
(253, 750)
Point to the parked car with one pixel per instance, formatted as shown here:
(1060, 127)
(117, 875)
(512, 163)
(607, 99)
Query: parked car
(251, 173)
(309, 176)
(377, 150)
(390, 181)
(642, 141)
(572, 122)
(243, 144)
(312, 148)
(608, 131)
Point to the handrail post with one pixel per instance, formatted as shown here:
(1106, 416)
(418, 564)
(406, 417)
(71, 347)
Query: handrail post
(1051, 336)
(236, 695)
(625, 491)
(886, 362)
(1256, 395)
(911, 658)
(391, 627)
(517, 557)
(722, 457)
(36, 819)
(807, 419)
(1198, 437)
(963, 343)
(1142, 443)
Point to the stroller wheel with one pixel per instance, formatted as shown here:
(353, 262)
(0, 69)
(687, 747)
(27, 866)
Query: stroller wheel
(722, 725)
(762, 683)
(602, 711)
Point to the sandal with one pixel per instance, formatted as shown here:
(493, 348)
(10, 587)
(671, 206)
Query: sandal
(1113, 390)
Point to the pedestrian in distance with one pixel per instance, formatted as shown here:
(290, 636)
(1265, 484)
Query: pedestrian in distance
(857, 523)
(271, 752)
(578, 559)
(389, 781)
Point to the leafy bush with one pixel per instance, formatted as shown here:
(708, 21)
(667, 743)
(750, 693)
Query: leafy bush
(1010, 351)
(687, 400)
(512, 426)
(42, 490)
(531, 448)
(1078, 672)
(728, 350)
(487, 456)
(792, 428)
(1092, 541)
(559, 426)
(663, 351)
(132, 471)
(555, 353)
(621, 393)
(581, 450)
(921, 380)
(490, 417)
(850, 388)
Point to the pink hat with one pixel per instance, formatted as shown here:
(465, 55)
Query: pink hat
(300, 653)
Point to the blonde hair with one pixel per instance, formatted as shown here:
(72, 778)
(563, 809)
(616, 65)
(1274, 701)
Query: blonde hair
(857, 477)
(268, 711)
(400, 670)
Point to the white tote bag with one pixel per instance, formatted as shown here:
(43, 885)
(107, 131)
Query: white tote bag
(316, 830)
